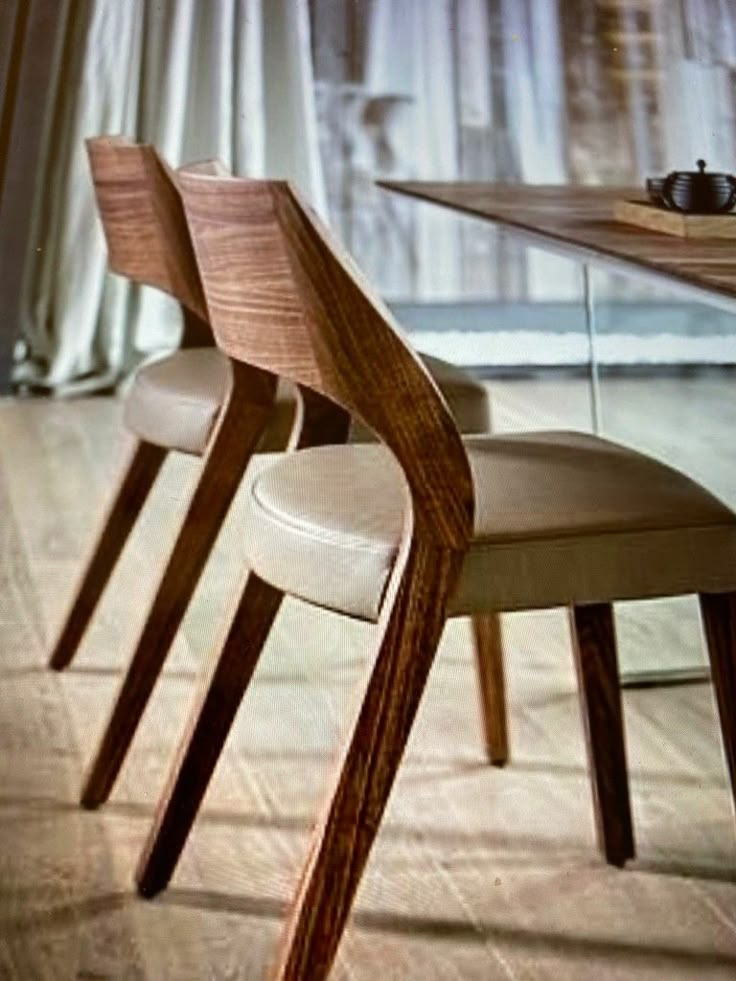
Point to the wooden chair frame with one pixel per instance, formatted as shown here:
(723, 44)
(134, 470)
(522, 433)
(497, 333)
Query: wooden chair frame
(148, 241)
(137, 248)
(333, 336)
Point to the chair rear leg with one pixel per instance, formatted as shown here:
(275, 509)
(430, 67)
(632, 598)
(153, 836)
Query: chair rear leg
(137, 480)
(594, 645)
(239, 430)
(210, 723)
(342, 840)
(718, 611)
(491, 685)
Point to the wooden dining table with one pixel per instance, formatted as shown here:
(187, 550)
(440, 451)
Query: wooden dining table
(578, 222)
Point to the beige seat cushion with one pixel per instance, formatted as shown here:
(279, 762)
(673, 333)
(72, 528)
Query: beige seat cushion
(175, 402)
(466, 397)
(560, 518)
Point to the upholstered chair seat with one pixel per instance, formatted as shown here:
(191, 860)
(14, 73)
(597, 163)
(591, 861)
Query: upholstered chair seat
(175, 402)
(559, 517)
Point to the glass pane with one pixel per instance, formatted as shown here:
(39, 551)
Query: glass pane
(512, 313)
(667, 374)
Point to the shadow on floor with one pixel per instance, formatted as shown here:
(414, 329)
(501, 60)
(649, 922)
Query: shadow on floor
(530, 940)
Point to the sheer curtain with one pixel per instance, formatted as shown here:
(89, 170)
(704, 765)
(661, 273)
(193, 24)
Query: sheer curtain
(538, 91)
(231, 79)
(442, 90)
(410, 51)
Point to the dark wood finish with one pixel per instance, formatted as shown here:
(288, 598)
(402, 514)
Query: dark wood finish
(718, 611)
(243, 421)
(491, 686)
(594, 645)
(143, 220)
(239, 429)
(212, 716)
(148, 241)
(195, 331)
(334, 335)
(579, 220)
(266, 260)
(145, 227)
(282, 296)
(138, 478)
(409, 633)
(317, 422)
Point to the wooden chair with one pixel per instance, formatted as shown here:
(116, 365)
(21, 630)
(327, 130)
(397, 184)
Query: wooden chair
(187, 403)
(431, 525)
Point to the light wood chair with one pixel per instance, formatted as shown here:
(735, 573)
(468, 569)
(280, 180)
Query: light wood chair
(187, 403)
(427, 525)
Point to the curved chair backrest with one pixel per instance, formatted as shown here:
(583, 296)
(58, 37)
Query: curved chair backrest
(145, 227)
(283, 296)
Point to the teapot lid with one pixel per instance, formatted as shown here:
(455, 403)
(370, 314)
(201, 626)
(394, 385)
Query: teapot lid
(699, 174)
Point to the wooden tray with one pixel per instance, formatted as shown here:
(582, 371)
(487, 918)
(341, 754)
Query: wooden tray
(656, 219)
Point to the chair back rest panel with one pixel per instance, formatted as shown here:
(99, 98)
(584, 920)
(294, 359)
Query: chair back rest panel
(283, 296)
(254, 307)
(143, 219)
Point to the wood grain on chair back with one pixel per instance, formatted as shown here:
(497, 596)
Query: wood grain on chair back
(145, 227)
(283, 296)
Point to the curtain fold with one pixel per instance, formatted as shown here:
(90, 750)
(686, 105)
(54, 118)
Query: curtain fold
(410, 55)
(231, 79)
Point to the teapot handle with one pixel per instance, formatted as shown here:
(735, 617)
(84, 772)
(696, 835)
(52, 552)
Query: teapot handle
(667, 191)
(732, 199)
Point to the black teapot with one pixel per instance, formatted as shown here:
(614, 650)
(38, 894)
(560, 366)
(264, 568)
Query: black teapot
(696, 192)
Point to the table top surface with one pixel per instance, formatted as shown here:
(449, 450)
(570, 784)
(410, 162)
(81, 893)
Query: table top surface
(579, 221)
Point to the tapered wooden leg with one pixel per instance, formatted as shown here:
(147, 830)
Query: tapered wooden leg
(238, 432)
(138, 477)
(210, 723)
(600, 697)
(491, 685)
(719, 619)
(408, 638)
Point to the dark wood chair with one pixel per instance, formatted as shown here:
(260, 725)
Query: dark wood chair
(431, 525)
(187, 403)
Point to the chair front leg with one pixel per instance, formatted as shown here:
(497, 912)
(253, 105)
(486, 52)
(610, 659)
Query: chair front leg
(718, 611)
(200, 749)
(408, 636)
(138, 477)
(594, 645)
(241, 425)
(491, 685)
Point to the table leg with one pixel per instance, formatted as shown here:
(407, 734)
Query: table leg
(595, 388)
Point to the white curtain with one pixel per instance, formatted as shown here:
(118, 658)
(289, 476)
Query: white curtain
(535, 101)
(410, 54)
(437, 57)
(225, 78)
